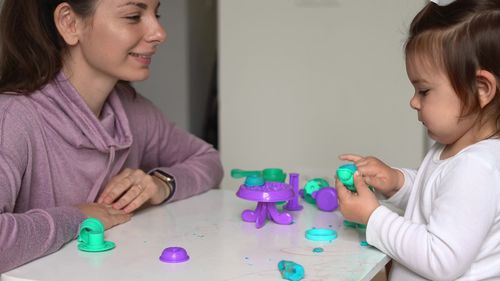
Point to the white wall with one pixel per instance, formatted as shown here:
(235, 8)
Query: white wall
(302, 81)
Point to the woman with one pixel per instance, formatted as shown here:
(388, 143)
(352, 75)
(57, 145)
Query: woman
(76, 140)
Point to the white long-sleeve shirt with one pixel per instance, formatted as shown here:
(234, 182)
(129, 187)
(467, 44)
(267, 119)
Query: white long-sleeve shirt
(451, 226)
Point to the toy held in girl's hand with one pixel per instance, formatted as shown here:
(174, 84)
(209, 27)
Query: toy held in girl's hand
(345, 174)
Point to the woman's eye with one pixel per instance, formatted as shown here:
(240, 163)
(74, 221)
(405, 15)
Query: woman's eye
(134, 18)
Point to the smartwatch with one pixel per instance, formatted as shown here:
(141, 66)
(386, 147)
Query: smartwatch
(166, 178)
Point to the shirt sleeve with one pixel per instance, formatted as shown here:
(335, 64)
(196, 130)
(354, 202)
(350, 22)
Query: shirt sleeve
(26, 235)
(463, 211)
(194, 164)
(399, 200)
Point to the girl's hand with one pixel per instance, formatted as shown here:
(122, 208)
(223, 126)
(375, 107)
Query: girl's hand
(377, 174)
(132, 189)
(105, 213)
(359, 206)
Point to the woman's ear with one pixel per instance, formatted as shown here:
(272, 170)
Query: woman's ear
(486, 86)
(67, 23)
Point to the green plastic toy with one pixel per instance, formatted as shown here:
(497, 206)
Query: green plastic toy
(345, 174)
(269, 174)
(91, 237)
(313, 186)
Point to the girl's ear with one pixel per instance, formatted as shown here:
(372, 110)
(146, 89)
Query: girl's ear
(67, 23)
(487, 87)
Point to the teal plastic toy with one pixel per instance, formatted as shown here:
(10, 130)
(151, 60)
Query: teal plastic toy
(321, 234)
(269, 174)
(345, 174)
(312, 186)
(290, 270)
(91, 237)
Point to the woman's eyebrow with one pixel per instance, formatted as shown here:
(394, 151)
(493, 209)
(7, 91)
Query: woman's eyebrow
(141, 5)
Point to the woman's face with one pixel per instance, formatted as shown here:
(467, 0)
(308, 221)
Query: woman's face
(120, 40)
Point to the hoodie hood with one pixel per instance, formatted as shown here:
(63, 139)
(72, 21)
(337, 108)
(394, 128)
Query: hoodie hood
(65, 110)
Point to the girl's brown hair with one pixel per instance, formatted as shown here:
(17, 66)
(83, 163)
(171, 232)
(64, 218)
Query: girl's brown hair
(460, 39)
(31, 49)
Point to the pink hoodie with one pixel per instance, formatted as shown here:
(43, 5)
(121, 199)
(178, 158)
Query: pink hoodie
(55, 153)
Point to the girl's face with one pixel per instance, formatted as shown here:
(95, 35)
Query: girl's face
(437, 104)
(120, 39)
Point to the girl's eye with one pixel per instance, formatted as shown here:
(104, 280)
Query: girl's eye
(423, 92)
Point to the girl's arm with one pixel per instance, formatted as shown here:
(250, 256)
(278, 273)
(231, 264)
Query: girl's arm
(463, 210)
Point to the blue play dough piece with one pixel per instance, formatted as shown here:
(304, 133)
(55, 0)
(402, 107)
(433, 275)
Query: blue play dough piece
(290, 270)
(318, 250)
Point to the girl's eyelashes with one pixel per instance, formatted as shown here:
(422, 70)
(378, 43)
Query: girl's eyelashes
(423, 92)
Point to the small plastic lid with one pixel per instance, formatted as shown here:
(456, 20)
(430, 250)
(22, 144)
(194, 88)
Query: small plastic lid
(174, 255)
(321, 234)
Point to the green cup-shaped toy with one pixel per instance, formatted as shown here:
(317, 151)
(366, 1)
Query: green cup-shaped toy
(91, 237)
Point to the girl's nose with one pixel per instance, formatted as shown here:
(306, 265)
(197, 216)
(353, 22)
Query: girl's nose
(414, 102)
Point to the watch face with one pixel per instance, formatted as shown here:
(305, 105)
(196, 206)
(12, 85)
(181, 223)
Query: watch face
(164, 177)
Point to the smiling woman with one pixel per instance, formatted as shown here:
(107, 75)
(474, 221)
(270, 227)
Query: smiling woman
(76, 139)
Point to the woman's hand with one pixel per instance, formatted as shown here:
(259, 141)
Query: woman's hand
(105, 213)
(377, 174)
(356, 206)
(132, 189)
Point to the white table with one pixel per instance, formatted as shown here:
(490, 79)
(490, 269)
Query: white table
(221, 247)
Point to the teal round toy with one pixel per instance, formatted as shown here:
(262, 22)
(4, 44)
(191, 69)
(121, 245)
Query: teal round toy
(321, 234)
(345, 174)
(91, 237)
(254, 180)
(274, 174)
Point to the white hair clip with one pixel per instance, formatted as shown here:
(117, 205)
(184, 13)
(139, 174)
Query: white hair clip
(442, 2)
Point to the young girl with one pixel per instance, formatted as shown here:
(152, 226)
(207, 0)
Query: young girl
(77, 141)
(451, 225)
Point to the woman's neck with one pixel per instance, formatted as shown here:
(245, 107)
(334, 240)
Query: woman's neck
(94, 89)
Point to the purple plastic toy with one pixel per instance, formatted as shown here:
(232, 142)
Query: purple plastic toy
(174, 255)
(293, 204)
(326, 199)
(266, 194)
